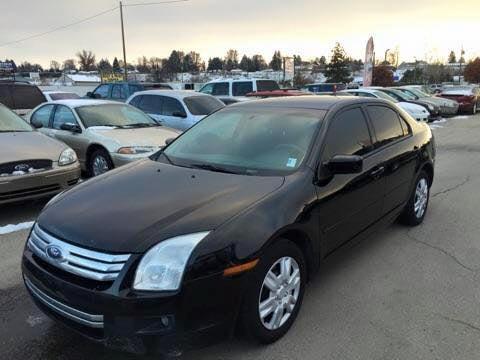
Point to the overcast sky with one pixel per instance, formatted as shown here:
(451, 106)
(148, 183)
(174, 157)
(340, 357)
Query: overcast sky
(424, 29)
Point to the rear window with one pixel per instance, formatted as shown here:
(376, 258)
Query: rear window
(460, 91)
(26, 97)
(157, 87)
(64, 96)
(202, 105)
(267, 85)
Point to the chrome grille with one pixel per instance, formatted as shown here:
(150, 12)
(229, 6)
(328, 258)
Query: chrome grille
(76, 260)
(94, 321)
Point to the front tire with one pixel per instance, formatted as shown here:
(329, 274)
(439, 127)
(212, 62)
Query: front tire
(417, 205)
(99, 163)
(274, 298)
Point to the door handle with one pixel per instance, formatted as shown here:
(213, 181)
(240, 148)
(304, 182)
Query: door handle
(377, 172)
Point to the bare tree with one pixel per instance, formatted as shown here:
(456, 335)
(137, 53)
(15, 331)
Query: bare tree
(68, 65)
(86, 60)
(54, 65)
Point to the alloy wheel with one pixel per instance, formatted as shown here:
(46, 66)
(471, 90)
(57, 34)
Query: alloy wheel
(279, 293)
(99, 165)
(421, 198)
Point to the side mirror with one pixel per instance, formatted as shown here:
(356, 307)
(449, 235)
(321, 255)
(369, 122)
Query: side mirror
(90, 94)
(36, 124)
(169, 141)
(179, 114)
(71, 127)
(344, 164)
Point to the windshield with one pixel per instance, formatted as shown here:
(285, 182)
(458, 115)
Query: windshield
(418, 93)
(248, 141)
(395, 94)
(11, 122)
(408, 94)
(118, 115)
(382, 95)
(64, 96)
(202, 105)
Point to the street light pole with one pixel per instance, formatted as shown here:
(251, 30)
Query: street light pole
(123, 43)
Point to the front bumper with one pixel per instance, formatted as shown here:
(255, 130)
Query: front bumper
(38, 185)
(203, 312)
(121, 159)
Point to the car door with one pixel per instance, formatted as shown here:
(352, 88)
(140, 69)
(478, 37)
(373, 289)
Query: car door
(393, 138)
(350, 203)
(64, 115)
(174, 114)
(102, 92)
(119, 92)
(42, 116)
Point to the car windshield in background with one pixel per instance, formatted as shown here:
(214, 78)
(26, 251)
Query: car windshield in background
(202, 105)
(382, 95)
(11, 122)
(248, 141)
(407, 94)
(64, 96)
(418, 93)
(267, 85)
(116, 115)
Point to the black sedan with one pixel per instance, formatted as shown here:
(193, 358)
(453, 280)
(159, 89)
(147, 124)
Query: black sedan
(225, 226)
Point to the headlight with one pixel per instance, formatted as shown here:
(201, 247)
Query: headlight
(132, 150)
(162, 267)
(67, 157)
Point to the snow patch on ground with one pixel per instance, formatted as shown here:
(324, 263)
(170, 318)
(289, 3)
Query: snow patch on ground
(17, 227)
(460, 117)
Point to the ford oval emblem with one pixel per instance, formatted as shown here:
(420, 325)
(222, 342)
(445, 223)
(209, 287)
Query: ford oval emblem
(22, 167)
(54, 252)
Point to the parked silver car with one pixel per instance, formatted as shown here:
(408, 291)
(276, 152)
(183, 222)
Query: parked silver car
(32, 165)
(104, 134)
(447, 107)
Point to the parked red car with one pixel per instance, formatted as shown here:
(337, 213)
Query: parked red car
(468, 97)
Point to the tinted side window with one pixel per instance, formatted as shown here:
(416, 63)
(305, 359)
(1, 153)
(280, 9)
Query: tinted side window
(242, 88)
(27, 97)
(134, 88)
(151, 104)
(172, 106)
(136, 100)
(348, 135)
(118, 92)
(221, 89)
(102, 91)
(6, 96)
(267, 85)
(386, 124)
(42, 115)
(63, 115)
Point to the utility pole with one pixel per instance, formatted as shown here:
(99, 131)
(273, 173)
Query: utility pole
(123, 43)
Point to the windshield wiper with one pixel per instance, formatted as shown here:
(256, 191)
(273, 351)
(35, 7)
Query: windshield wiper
(139, 125)
(213, 168)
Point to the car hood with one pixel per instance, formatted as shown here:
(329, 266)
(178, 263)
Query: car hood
(443, 101)
(19, 146)
(130, 209)
(153, 136)
(412, 107)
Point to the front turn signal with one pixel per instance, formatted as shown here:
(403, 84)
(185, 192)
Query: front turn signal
(238, 269)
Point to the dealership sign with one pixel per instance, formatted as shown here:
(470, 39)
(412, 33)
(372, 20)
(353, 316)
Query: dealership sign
(7, 66)
(369, 59)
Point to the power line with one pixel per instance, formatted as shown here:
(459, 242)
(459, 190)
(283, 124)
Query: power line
(155, 3)
(60, 27)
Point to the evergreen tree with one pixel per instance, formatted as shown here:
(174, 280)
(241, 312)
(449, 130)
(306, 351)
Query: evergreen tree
(116, 66)
(215, 64)
(245, 63)
(104, 65)
(231, 60)
(337, 69)
(277, 61)
(452, 58)
(258, 63)
(174, 62)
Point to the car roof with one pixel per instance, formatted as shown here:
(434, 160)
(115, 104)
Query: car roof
(178, 94)
(74, 103)
(307, 102)
(237, 80)
(58, 92)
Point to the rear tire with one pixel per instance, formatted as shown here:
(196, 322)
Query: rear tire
(272, 300)
(417, 205)
(99, 163)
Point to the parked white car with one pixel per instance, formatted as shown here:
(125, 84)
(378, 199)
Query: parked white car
(178, 109)
(238, 87)
(51, 95)
(418, 112)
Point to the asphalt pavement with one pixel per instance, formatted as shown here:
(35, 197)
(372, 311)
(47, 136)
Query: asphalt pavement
(405, 293)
